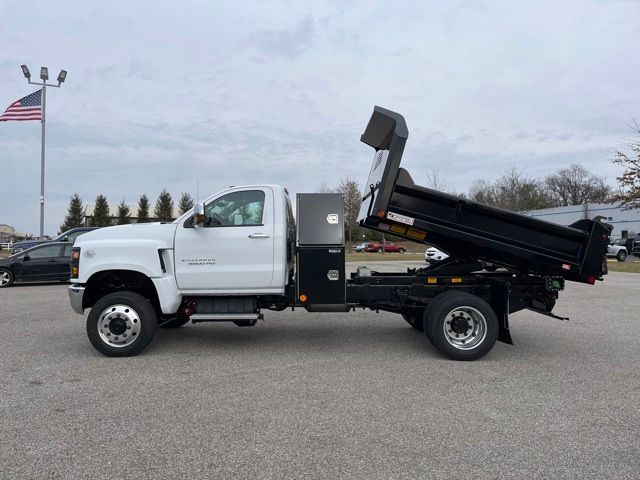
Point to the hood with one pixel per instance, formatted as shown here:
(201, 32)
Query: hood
(159, 234)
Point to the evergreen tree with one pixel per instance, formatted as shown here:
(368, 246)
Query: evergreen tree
(101, 216)
(186, 203)
(143, 209)
(164, 207)
(123, 213)
(75, 214)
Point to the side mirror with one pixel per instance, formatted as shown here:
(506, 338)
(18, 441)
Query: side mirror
(26, 258)
(197, 219)
(64, 239)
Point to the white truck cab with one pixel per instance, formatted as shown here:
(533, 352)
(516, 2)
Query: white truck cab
(243, 247)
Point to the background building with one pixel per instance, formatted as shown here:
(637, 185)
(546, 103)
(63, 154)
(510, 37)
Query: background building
(8, 234)
(626, 223)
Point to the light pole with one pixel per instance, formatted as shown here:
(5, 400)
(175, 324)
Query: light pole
(44, 76)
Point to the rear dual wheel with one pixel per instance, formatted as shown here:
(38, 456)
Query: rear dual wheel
(461, 326)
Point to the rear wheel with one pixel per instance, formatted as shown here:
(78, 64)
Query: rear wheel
(121, 324)
(6, 278)
(622, 256)
(379, 249)
(462, 326)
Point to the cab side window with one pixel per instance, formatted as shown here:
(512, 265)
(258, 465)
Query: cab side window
(235, 209)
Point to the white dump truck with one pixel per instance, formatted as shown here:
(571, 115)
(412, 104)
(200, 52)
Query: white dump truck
(241, 252)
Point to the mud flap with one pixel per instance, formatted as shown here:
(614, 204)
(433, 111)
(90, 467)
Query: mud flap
(500, 304)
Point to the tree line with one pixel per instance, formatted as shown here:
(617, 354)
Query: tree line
(513, 190)
(162, 212)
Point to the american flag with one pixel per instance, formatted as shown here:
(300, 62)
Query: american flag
(27, 108)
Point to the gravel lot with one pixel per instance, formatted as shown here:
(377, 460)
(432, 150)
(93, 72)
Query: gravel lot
(301, 395)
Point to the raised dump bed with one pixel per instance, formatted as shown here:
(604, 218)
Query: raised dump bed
(468, 230)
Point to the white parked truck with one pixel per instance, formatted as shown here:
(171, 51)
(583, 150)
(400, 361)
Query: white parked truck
(241, 252)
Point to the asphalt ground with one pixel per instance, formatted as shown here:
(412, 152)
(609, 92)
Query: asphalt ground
(358, 395)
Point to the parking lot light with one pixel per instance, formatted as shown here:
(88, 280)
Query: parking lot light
(44, 73)
(25, 72)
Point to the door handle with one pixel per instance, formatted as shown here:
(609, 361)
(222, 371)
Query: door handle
(258, 235)
(52, 260)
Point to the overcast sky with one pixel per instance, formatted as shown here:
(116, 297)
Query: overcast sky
(160, 94)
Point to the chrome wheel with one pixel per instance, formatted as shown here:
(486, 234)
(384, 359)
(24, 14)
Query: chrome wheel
(5, 278)
(119, 325)
(465, 328)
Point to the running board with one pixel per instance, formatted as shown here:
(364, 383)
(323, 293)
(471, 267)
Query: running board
(245, 318)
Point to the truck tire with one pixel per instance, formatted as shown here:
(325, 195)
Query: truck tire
(175, 322)
(622, 256)
(6, 278)
(461, 326)
(414, 318)
(121, 324)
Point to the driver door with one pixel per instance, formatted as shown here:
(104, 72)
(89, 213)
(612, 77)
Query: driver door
(233, 251)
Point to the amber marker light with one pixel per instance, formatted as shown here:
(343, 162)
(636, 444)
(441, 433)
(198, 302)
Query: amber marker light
(303, 298)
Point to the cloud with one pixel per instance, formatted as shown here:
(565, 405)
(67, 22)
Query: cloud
(288, 43)
(160, 96)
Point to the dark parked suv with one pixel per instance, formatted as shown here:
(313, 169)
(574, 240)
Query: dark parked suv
(68, 236)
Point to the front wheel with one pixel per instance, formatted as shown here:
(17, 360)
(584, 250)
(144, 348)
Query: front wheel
(6, 278)
(622, 256)
(402, 250)
(121, 324)
(462, 326)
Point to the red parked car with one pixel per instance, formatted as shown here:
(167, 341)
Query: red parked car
(388, 247)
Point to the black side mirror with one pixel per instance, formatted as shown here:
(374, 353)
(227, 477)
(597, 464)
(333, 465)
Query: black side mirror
(26, 258)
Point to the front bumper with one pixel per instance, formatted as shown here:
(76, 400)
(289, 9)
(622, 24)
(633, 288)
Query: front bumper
(76, 294)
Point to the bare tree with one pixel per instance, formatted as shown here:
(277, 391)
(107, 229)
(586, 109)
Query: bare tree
(629, 180)
(436, 182)
(576, 185)
(520, 193)
(352, 199)
(324, 188)
(512, 191)
(483, 191)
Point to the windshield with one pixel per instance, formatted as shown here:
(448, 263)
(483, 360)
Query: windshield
(622, 242)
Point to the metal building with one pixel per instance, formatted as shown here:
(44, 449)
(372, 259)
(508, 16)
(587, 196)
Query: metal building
(626, 223)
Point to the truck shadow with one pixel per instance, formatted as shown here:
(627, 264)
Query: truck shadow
(334, 337)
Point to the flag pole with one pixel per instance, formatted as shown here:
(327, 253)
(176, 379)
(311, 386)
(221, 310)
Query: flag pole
(44, 110)
(44, 76)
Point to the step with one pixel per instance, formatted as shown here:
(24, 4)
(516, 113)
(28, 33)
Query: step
(224, 317)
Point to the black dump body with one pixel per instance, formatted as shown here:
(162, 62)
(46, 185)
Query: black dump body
(467, 230)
